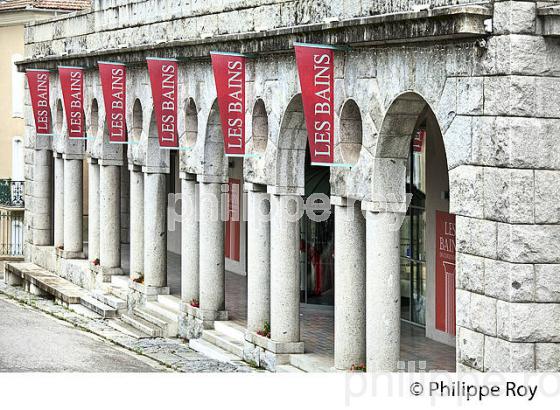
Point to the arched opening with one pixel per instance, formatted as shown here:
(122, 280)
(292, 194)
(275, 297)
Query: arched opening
(191, 123)
(59, 116)
(411, 136)
(259, 127)
(137, 121)
(94, 119)
(350, 143)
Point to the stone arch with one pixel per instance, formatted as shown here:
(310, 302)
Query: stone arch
(137, 121)
(392, 150)
(290, 146)
(94, 119)
(259, 137)
(59, 116)
(349, 144)
(407, 113)
(214, 161)
(191, 123)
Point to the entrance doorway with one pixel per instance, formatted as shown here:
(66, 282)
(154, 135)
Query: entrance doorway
(317, 242)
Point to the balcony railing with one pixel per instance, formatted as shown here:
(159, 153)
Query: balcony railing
(11, 232)
(11, 193)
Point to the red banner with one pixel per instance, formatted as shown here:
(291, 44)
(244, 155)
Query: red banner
(229, 75)
(445, 272)
(72, 84)
(113, 84)
(164, 79)
(316, 76)
(39, 88)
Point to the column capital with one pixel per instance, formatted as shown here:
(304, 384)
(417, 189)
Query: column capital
(109, 162)
(134, 167)
(187, 176)
(385, 207)
(73, 156)
(252, 187)
(155, 170)
(211, 179)
(278, 190)
(343, 201)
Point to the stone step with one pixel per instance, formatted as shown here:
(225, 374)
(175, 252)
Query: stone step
(212, 351)
(312, 363)
(84, 311)
(287, 368)
(170, 302)
(168, 326)
(162, 310)
(127, 329)
(48, 282)
(110, 300)
(98, 307)
(230, 328)
(142, 325)
(225, 342)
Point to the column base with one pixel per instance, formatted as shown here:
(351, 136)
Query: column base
(206, 317)
(149, 292)
(274, 346)
(61, 253)
(262, 358)
(104, 273)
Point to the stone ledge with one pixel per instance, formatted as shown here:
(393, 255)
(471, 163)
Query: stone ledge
(148, 291)
(203, 315)
(454, 22)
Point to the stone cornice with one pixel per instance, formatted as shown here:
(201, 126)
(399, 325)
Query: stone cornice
(445, 23)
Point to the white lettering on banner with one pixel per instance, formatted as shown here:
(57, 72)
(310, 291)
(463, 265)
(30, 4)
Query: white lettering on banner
(117, 91)
(235, 86)
(322, 81)
(168, 101)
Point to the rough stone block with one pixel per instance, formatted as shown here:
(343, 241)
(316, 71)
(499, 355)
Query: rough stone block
(470, 95)
(503, 356)
(466, 196)
(470, 272)
(476, 236)
(529, 243)
(508, 195)
(547, 283)
(547, 357)
(528, 322)
(509, 281)
(470, 348)
(514, 17)
(476, 312)
(547, 197)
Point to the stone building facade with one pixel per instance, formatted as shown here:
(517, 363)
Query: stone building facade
(480, 76)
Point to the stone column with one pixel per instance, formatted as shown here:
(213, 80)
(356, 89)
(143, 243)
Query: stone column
(93, 209)
(110, 217)
(350, 284)
(137, 222)
(189, 239)
(73, 208)
(258, 258)
(284, 267)
(155, 231)
(40, 190)
(383, 304)
(58, 200)
(211, 259)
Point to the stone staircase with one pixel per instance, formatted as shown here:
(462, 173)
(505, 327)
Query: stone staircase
(155, 318)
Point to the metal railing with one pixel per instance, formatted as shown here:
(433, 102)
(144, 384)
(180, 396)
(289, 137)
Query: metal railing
(11, 193)
(11, 232)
